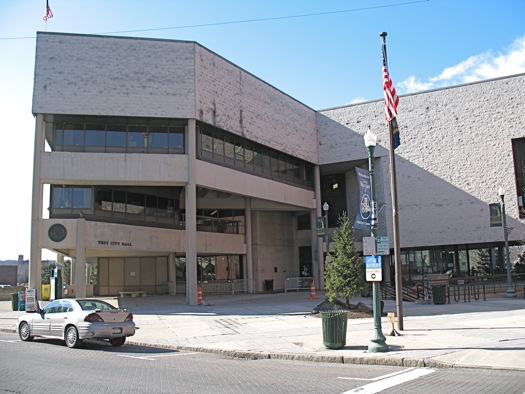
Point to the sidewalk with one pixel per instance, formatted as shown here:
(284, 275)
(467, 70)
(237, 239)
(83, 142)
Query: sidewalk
(476, 334)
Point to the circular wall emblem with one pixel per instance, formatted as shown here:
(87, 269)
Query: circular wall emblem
(57, 232)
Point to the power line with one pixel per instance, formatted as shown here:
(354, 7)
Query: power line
(247, 20)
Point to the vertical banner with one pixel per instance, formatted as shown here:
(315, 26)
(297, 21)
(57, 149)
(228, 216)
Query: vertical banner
(495, 215)
(364, 211)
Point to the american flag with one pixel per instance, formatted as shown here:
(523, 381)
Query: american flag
(391, 99)
(49, 13)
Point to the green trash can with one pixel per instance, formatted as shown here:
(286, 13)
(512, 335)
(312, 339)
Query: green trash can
(14, 301)
(334, 328)
(439, 294)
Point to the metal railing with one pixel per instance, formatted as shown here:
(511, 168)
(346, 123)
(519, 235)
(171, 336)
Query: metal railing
(225, 286)
(298, 283)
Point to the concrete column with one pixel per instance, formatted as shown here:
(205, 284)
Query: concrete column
(80, 260)
(35, 258)
(191, 215)
(172, 271)
(318, 241)
(248, 240)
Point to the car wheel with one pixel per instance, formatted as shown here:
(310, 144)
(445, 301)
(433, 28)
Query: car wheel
(117, 341)
(25, 332)
(72, 337)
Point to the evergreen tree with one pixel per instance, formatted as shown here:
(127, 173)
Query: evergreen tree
(344, 269)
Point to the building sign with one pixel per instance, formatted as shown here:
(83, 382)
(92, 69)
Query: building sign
(495, 215)
(373, 268)
(364, 211)
(114, 243)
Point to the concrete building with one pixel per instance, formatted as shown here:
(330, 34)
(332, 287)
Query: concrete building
(167, 166)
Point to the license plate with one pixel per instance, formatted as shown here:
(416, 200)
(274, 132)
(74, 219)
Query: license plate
(117, 330)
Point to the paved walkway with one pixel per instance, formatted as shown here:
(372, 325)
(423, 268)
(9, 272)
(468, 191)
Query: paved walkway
(476, 334)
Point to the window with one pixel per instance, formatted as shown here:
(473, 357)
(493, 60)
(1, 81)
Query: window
(67, 197)
(518, 148)
(247, 156)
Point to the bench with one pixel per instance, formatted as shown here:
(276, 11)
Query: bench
(132, 294)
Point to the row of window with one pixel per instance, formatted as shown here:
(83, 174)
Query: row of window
(222, 147)
(150, 135)
(116, 135)
(138, 205)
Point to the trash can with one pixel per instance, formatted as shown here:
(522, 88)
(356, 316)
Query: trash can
(268, 285)
(439, 294)
(334, 328)
(14, 301)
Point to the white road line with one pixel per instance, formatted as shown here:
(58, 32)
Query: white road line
(379, 377)
(392, 381)
(1, 340)
(154, 358)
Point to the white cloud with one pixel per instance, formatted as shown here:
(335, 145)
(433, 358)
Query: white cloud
(478, 67)
(412, 84)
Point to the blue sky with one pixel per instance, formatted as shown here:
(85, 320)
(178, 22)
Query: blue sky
(323, 53)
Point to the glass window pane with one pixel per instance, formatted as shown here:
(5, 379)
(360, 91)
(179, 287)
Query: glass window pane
(136, 204)
(61, 197)
(82, 197)
(95, 135)
(207, 141)
(176, 139)
(158, 137)
(74, 137)
(137, 137)
(103, 200)
(218, 146)
(117, 136)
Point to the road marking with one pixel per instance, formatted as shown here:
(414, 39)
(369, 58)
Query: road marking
(391, 381)
(154, 358)
(379, 377)
(1, 340)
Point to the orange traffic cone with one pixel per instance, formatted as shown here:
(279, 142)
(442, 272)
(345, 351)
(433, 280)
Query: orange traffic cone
(199, 295)
(313, 295)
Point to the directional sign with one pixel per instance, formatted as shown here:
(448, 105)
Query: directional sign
(373, 268)
(382, 245)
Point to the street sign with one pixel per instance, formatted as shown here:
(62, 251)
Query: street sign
(382, 246)
(373, 268)
(369, 246)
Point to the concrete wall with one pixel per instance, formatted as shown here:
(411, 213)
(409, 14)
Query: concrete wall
(235, 100)
(110, 239)
(455, 152)
(274, 248)
(100, 75)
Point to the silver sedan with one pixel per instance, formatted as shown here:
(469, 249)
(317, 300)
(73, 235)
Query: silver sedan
(74, 320)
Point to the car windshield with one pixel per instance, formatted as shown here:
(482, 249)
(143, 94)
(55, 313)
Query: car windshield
(91, 305)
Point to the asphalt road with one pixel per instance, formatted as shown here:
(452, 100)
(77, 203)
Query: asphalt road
(44, 366)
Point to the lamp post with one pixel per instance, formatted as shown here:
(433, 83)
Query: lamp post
(510, 290)
(325, 210)
(378, 340)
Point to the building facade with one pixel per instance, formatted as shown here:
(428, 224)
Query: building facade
(167, 166)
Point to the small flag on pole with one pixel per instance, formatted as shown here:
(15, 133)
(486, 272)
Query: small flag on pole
(49, 13)
(391, 102)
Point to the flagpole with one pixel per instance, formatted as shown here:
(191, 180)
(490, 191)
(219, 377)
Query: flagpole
(395, 218)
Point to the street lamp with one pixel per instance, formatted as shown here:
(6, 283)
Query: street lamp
(378, 340)
(510, 290)
(325, 209)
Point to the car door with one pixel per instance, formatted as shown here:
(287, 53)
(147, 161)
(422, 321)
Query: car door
(42, 319)
(59, 319)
